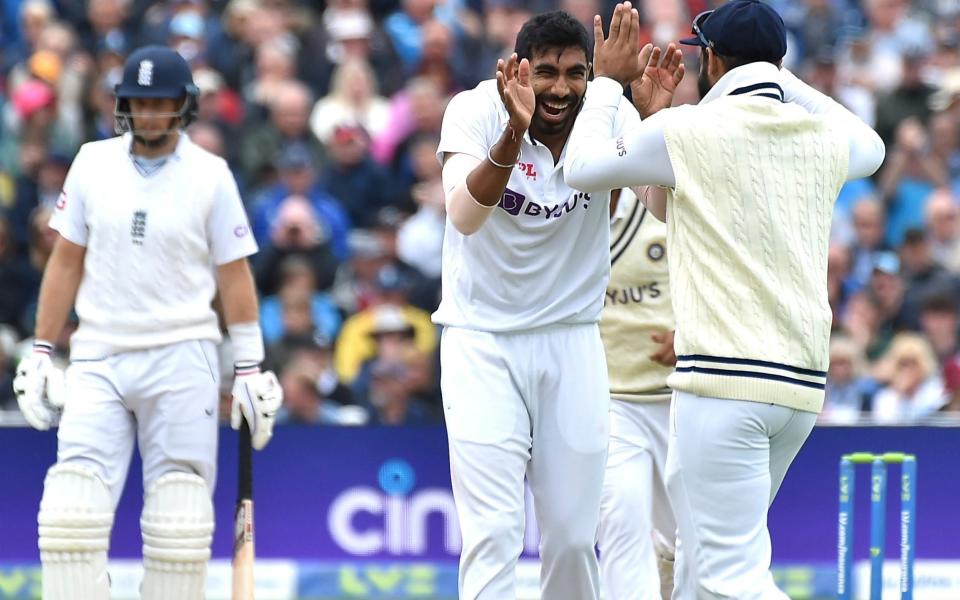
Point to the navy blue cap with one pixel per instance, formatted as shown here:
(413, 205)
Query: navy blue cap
(747, 29)
(294, 155)
(156, 72)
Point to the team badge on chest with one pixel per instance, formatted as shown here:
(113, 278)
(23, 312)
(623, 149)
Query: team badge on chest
(138, 229)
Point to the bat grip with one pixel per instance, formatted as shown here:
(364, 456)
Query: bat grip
(245, 463)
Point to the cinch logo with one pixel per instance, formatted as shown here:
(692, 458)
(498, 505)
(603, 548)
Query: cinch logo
(399, 521)
(516, 203)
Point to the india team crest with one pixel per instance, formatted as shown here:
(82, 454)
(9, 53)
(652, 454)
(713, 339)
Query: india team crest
(655, 251)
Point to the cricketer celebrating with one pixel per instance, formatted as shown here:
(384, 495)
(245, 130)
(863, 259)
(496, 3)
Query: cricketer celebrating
(637, 527)
(752, 173)
(525, 265)
(151, 226)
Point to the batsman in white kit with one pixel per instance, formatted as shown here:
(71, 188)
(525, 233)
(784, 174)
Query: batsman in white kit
(525, 266)
(150, 227)
(637, 526)
(751, 174)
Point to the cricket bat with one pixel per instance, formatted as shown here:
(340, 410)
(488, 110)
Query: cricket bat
(243, 555)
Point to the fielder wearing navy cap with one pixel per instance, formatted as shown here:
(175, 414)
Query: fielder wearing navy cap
(737, 33)
(745, 29)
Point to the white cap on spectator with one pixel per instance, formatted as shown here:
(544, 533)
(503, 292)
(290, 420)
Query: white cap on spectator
(349, 25)
(948, 91)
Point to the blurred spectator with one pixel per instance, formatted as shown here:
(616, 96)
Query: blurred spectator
(351, 33)
(298, 280)
(103, 18)
(276, 66)
(360, 185)
(303, 402)
(296, 176)
(862, 322)
(939, 323)
(910, 100)
(913, 388)
(290, 105)
(14, 274)
(943, 144)
(355, 287)
(295, 232)
(420, 238)
(35, 15)
(418, 109)
(8, 366)
(207, 137)
(943, 223)
(392, 398)
(868, 244)
(358, 339)
(887, 286)
(353, 100)
(923, 277)
(317, 350)
(910, 174)
(405, 30)
(838, 270)
(849, 390)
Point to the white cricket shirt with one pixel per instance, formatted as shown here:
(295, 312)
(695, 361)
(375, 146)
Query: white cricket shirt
(543, 256)
(152, 242)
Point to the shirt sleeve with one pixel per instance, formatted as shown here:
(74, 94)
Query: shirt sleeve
(227, 227)
(597, 159)
(70, 218)
(867, 150)
(465, 126)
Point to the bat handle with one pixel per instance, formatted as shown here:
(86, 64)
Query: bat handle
(245, 463)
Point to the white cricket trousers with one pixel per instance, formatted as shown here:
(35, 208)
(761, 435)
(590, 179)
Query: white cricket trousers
(635, 507)
(725, 463)
(166, 398)
(536, 404)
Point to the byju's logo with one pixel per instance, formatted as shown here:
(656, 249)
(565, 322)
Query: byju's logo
(516, 203)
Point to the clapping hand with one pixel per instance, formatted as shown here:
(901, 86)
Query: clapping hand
(617, 56)
(513, 83)
(654, 90)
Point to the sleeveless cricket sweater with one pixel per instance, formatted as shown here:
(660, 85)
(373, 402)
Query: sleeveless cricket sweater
(748, 225)
(637, 304)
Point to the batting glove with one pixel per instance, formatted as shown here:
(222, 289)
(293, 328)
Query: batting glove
(257, 398)
(39, 387)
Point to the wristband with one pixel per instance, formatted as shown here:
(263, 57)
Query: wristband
(502, 166)
(247, 343)
(42, 347)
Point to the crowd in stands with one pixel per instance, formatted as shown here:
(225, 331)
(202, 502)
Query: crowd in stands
(329, 115)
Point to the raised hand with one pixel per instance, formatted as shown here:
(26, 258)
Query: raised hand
(616, 56)
(513, 83)
(654, 90)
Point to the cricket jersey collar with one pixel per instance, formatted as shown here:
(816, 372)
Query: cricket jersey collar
(753, 79)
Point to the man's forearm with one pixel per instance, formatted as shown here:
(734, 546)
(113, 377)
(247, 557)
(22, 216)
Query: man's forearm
(58, 290)
(238, 297)
(487, 181)
(237, 293)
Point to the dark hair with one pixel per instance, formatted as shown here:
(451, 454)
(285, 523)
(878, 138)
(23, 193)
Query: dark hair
(554, 29)
(732, 62)
(940, 301)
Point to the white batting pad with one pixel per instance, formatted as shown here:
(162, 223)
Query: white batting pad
(177, 526)
(76, 514)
